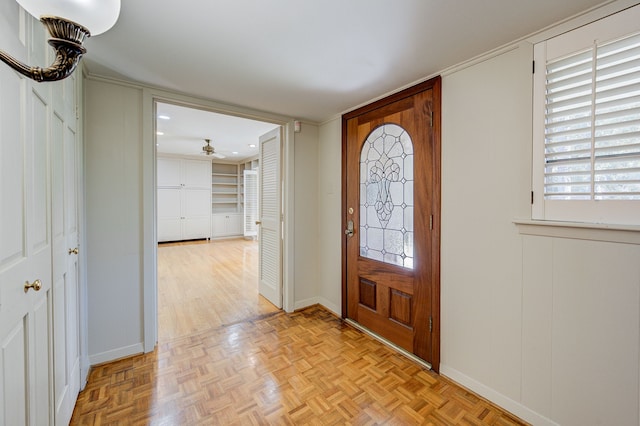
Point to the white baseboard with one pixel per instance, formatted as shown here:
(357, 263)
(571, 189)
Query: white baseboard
(336, 309)
(301, 304)
(497, 398)
(115, 354)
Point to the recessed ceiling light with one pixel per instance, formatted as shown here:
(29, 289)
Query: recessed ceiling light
(235, 152)
(252, 145)
(159, 133)
(164, 117)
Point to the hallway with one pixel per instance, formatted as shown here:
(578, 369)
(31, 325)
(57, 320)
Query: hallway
(249, 363)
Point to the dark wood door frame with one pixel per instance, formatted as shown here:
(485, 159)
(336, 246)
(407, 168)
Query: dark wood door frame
(434, 255)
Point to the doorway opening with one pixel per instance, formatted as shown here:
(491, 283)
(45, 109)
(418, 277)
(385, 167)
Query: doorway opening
(209, 209)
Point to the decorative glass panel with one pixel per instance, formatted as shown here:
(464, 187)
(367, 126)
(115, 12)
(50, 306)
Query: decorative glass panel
(386, 196)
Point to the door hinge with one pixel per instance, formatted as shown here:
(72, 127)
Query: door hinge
(431, 119)
(533, 67)
(430, 324)
(431, 222)
(532, 197)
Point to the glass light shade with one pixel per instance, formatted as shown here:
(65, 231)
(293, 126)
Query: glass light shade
(96, 15)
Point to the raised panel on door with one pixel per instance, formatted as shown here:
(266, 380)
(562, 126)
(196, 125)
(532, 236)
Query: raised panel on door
(196, 213)
(169, 172)
(236, 224)
(218, 225)
(169, 214)
(15, 370)
(196, 228)
(197, 173)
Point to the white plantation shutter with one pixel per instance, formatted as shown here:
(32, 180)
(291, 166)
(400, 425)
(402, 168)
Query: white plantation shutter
(589, 167)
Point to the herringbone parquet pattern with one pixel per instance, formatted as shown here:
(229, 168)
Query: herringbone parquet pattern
(277, 369)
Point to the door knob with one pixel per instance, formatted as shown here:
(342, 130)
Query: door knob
(36, 285)
(349, 231)
(73, 251)
(258, 222)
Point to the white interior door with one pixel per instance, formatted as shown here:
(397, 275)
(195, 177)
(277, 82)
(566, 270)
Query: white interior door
(64, 210)
(270, 230)
(25, 252)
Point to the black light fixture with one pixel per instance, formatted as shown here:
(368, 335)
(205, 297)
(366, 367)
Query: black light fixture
(62, 19)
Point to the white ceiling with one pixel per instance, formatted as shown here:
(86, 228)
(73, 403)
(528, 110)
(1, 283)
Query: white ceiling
(184, 130)
(309, 60)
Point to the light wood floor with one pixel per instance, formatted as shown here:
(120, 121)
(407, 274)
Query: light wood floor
(242, 362)
(203, 285)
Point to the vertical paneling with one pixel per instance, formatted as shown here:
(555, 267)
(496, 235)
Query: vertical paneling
(113, 219)
(537, 322)
(595, 337)
(481, 248)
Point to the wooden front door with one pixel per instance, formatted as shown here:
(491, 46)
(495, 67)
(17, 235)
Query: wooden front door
(391, 218)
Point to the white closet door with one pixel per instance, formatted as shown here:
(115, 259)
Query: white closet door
(196, 174)
(169, 214)
(25, 253)
(270, 235)
(250, 203)
(196, 214)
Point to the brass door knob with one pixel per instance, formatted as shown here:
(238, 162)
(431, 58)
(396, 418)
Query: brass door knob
(73, 251)
(258, 222)
(36, 285)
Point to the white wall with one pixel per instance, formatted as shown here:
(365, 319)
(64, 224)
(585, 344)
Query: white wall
(486, 158)
(113, 219)
(329, 232)
(305, 253)
(546, 326)
(118, 174)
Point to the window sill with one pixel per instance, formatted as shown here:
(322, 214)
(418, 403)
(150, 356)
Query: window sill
(625, 234)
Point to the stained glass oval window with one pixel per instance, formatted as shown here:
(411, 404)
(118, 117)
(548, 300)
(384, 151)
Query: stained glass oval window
(386, 196)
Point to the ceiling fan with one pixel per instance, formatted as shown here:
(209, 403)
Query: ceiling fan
(209, 150)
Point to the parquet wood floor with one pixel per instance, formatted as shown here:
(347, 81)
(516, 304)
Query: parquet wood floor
(274, 368)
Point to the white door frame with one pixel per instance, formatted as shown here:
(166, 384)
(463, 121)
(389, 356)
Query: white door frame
(149, 226)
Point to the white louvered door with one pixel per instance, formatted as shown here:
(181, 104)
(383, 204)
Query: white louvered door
(270, 231)
(250, 203)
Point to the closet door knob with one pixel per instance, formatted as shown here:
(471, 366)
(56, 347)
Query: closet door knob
(36, 285)
(73, 251)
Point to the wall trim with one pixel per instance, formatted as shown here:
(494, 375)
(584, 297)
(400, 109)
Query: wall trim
(115, 354)
(624, 234)
(506, 403)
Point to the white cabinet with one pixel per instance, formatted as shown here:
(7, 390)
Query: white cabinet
(226, 225)
(180, 172)
(184, 199)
